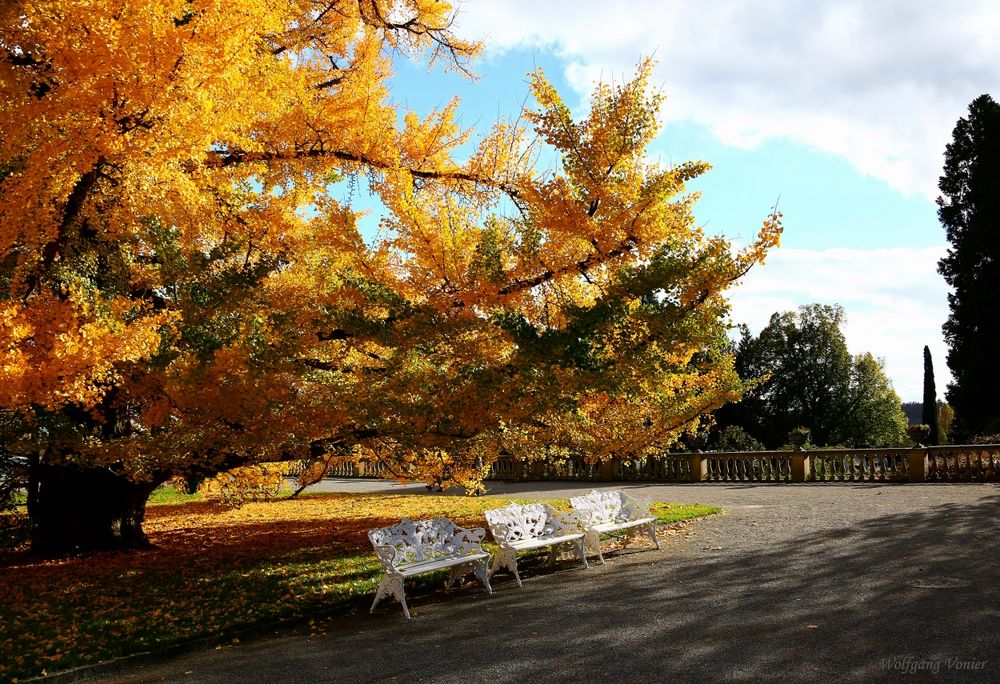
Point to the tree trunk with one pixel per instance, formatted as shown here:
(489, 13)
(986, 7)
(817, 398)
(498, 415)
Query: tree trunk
(32, 498)
(87, 509)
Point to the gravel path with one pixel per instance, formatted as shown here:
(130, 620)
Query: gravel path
(809, 582)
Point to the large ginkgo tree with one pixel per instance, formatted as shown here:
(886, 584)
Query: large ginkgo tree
(181, 291)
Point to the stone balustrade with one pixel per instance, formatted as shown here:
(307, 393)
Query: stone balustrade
(952, 463)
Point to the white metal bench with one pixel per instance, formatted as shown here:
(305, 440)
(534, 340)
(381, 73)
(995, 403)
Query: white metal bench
(611, 511)
(414, 547)
(522, 527)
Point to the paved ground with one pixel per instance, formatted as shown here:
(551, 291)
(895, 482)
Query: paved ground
(805, 582)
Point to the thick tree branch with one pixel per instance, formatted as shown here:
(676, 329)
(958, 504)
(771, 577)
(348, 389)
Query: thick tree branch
(71, 212)
(582, 266)
(329, 83)
(337, 334)
(24, 59)
(317, 364)
(221, 159)
(38, 88)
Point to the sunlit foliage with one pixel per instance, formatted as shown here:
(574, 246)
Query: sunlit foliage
(183, 293)
(254, 482)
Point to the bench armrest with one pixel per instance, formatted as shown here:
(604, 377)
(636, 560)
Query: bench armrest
(499, 531)
(586, 516)
(386, 556)
(633, 510)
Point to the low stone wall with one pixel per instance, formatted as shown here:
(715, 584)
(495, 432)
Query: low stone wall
(952, 463)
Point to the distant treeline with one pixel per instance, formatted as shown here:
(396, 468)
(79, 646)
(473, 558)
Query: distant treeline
(914, 411)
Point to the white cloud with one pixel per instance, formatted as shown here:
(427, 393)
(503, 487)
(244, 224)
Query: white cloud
(894, 298)
(878, 83)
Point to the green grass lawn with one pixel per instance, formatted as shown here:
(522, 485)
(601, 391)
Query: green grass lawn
(170, 495)
(215, 571)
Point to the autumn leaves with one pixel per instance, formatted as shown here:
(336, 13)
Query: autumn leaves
(210, 300)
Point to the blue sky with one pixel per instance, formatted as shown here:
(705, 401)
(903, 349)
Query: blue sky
(840, 109)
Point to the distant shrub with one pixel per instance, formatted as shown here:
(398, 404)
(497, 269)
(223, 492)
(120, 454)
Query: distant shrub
(734, 438)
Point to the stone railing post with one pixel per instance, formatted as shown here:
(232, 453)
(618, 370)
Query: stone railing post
(919, 465)
(801, 466)
(699, 467)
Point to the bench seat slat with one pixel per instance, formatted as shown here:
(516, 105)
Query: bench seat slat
(539, 542)
(437, 564)
(622, 524)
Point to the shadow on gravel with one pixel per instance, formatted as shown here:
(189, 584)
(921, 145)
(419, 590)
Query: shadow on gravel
(841, 599)
(855, 602)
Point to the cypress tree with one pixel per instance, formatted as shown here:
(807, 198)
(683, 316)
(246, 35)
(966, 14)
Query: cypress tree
(930, 412)
(969, 210)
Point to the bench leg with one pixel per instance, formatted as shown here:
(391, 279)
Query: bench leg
(652, 534)
(627, 537)
(593, 538)
(506, 558)
(483, 574)
(457, 572)
(557, 549)
(391, 586)
(553, 554)
(402, 601)
(581, 550)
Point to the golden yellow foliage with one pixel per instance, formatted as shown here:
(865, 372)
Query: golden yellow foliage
(184, 294)
(255, 482)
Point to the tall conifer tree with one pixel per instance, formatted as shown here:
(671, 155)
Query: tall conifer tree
(969, 210)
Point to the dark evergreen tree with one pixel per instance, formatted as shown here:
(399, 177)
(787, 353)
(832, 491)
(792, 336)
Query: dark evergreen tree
(969, 210)
(930, 412)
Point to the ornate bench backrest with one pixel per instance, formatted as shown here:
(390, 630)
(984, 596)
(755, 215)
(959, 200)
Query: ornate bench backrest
(521, 521)
(413, 541)
(607, 507)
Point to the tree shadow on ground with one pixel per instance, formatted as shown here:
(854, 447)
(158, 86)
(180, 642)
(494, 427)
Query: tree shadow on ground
(846, 601)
